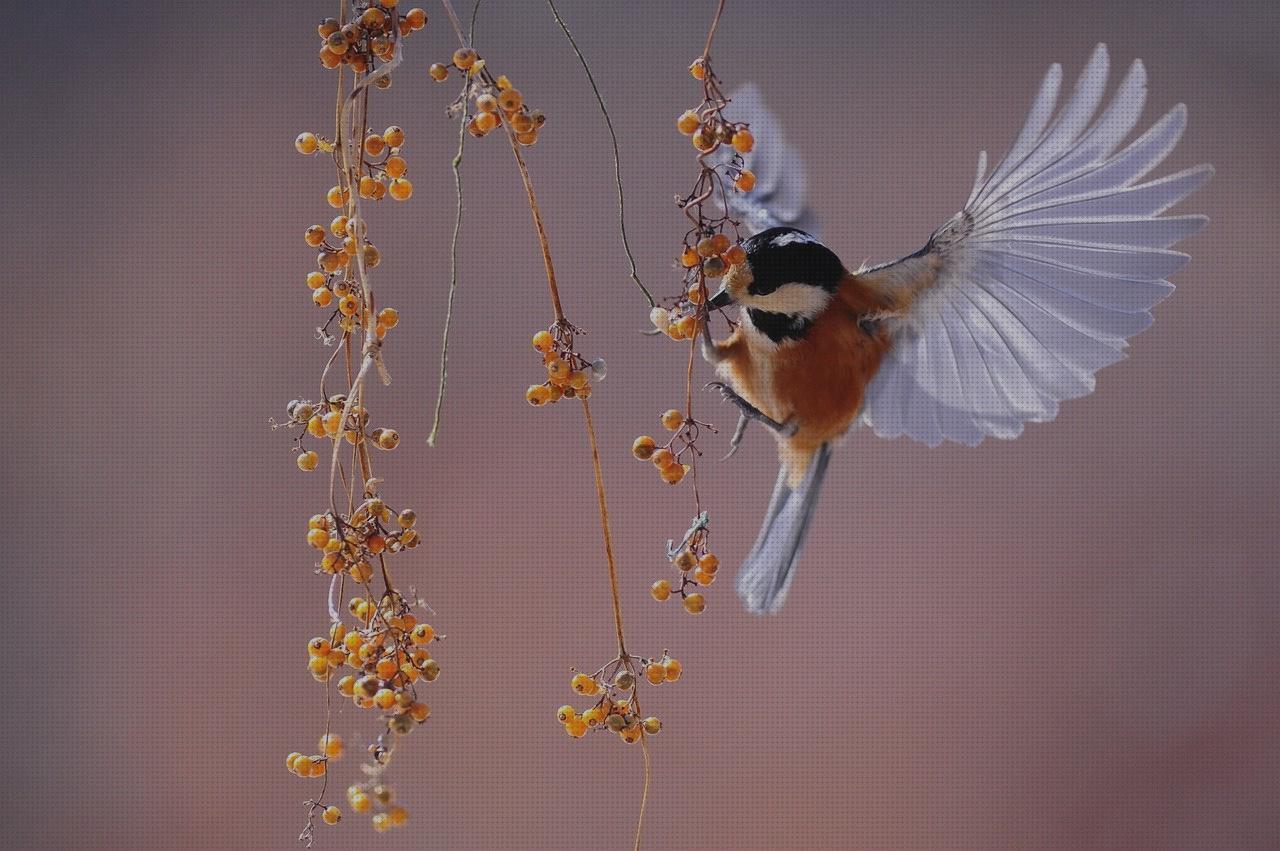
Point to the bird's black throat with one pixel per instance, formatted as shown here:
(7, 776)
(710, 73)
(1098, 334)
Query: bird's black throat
(779, 326)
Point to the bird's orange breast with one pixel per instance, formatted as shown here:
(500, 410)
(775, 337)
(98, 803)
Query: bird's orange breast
(818, 381)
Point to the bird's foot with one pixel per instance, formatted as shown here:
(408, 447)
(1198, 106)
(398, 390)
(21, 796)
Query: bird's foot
(750, 411)
(736, 440)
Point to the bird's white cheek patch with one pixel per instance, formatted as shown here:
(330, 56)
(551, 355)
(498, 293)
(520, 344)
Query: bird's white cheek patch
(794, 299)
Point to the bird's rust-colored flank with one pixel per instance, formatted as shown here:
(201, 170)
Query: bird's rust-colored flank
(817, 381)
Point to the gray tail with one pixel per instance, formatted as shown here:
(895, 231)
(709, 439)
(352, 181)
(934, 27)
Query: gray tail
(766, 573)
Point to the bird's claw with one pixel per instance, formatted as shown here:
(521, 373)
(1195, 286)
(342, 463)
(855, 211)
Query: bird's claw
(736, 440)
(750, 411)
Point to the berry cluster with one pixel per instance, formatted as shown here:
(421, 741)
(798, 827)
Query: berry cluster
(375, 798)
(673, 459)
(712, 245)
(695, 564)
(324, 420)
(350, 543)
(617, 706)
(490, 101)
(370, 37)
(569, 375)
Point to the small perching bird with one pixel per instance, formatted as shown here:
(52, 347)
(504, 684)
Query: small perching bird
(1010, 307)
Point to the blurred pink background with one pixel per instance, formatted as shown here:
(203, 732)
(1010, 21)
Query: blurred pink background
(1065, 642)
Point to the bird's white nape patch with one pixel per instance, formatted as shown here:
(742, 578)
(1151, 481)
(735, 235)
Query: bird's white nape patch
(790, 237)
(793, 299)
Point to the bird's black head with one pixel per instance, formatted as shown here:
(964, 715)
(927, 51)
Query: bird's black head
(786, 281)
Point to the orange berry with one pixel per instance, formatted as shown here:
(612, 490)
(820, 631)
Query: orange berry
(709, 563)
(438, 72)
(374, 144)
(538, 394)
(703, 578)
(689, 258)
(695, 603)
(318, 538)
(400, 189)
(302, 766)
(576, 727)
(672, 670)
(422, 634)
(331, 815)
(720, 243)
(337, 197)
(308, 461)
(736, 255)
(672, 474)
(660, 590)
(385, 698)
(347, 305)
(698, 69)
(486, 121)
(395, 166)
(584, 685)
(746, 181)
(521, 122)
(487, 103)
(655, 673)
(464, 58)
(393, 136)
(704, 140)
(694, 293)
(643, 448)
(688, 122)
(558, 369)
(686, 561)
(306, 143)
(331, 745)
(566, 713)
(527, 139)
(662, 458)
(707, 247)
(543, 341)
(743, 141)
(315, 280)
(389, 316)
(510, 100)
(415, 17)
(672, 420)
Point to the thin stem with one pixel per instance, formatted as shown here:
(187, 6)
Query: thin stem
(644, 794)
(604, 526)
(617, 164)
(711, 34)
(537, 221)
(453, 19)
(453, 280)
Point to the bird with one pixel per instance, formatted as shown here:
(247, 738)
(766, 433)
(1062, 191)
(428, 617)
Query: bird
(1009, 308)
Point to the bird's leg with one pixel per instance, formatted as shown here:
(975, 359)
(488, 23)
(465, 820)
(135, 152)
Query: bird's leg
(750, 411)
(710, 353)
(736, 440)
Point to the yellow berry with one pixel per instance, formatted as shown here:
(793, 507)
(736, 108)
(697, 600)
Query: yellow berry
(438, 72)
(662, 458)
(393, 136)
(389, 439)
(416, 18)
(688, 122)
(538, 394)
(695, 603)
(400, 189)
(291, 759)
(576, 727)
(660, 590)
(302, 766)
(584, 685)
(651, 725)
(331, 745)
(360, 802)
(643, 448)
(655, 673)
(331, 815)
(558, 369)
(337, 196)
(306, 143)
(743, 141)
(566, 714)
(543, 341)
(464, 58)
(672, 670)
(703, 140)
(698, 69)
(308, 460)
(422, 634)
(398, 815)
(672, 420)
(318, 538)
(486, 121)
(672, 474)
(686, 560)
(385, 698)
(315, 280)
(510, 100)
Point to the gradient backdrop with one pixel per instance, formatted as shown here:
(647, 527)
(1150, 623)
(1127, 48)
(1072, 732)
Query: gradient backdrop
(1067, 642)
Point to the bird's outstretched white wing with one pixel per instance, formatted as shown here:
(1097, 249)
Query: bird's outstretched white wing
(780, 194)
(1055, 261)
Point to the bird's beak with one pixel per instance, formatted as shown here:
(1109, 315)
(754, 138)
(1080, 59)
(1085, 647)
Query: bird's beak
(721, 299)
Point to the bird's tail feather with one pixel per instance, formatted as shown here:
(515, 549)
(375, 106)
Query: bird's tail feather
(766, 573)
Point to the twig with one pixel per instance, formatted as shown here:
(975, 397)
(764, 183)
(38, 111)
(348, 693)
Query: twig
(453, 277)
(617, 164)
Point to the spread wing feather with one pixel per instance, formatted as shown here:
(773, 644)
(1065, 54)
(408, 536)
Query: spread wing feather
(1055, 261)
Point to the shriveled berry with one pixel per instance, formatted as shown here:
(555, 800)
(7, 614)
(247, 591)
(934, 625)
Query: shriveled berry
(643, 448)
